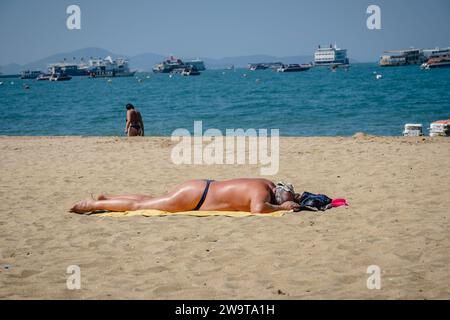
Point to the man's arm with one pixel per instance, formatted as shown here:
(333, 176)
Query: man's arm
(266, 207)
(128, 123)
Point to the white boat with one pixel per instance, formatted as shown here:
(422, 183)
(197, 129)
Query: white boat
(294, 67)
(190, 71)
(332, 55)
(59, 77)
(108, 67)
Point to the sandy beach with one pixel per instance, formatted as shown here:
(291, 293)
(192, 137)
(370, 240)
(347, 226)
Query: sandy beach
(398, 219)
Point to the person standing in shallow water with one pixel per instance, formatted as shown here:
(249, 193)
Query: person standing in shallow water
(135, 125)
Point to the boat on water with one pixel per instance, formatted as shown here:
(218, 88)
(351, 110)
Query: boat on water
(109, 68)
(438, 62)
(332, 55)
(44, 77)
(177, 65)
(405, 57)
(294, 67)
(59, 77)
(439, 58)
(264, 66)
(257, 66)
(28, 74)
(190, 71)
(70, 69)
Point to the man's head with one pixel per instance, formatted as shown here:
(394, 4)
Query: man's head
(284, 192)
(129, 106)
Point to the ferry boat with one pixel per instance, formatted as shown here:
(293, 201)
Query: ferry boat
(332, 55)
(108, 67)
(71, 69)
(294, 67)
(170, 65)
(27, 74)
(406, 57)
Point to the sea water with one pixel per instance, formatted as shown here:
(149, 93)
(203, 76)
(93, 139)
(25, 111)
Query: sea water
(317, 102)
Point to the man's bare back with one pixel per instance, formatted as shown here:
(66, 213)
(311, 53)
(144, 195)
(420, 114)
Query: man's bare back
(251, 195)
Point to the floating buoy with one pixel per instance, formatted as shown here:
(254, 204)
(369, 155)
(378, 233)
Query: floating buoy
(12, 82)
(379, 76)
(170, 75)
(223, 72)
(245, 75)
(1, 83)
(148, 77)
(109, 80)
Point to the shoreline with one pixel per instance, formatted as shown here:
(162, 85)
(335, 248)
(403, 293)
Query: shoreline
(397, 187)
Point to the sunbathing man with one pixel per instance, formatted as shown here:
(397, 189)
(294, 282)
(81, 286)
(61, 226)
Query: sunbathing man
(251, 195)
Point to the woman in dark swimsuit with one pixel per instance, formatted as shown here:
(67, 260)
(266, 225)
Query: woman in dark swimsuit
(134, 125)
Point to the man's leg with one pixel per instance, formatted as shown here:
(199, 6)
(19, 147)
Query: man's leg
(184, 198)
(137, 197)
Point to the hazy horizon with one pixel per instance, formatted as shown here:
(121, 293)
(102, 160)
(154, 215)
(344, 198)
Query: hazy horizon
(213, 29)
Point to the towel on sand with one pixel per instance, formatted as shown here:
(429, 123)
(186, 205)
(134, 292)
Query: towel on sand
(158, 213)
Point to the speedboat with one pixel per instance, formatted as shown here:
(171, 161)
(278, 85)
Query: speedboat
(294, 67)
(437, 62)
(59, 77)
(44, 76)
(191, 71)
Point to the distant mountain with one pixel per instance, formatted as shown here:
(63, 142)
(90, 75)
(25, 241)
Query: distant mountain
(146, 61)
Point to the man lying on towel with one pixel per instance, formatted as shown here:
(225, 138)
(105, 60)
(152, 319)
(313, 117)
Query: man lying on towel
(250, 195)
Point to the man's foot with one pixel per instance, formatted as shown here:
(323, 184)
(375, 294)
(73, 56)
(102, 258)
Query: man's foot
(84, 206)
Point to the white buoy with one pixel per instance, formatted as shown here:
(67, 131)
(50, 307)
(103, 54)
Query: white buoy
(1, 83)
(148, 77)
(12, 82)
(170, 75)
(379, 76)
(245, 75)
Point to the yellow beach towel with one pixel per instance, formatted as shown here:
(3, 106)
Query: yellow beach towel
(158, 213)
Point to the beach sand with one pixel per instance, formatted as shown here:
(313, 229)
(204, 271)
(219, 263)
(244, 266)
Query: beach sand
(398, 219)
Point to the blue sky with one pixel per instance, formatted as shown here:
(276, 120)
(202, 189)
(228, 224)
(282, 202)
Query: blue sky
(30, 30)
